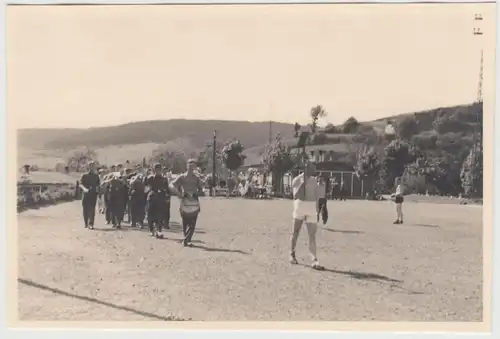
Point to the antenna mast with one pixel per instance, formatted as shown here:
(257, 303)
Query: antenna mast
(478, 19)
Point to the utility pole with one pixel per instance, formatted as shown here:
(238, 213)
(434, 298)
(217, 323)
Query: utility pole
(214, 167)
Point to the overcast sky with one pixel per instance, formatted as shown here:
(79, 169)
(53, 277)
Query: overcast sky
(72, 66)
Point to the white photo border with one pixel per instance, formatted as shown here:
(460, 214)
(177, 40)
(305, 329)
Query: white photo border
(219, 334)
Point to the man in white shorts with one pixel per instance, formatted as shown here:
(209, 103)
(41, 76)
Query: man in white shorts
(305, 209)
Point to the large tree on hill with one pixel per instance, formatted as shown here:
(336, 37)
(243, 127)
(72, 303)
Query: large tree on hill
(472, 172)
(407, 128)
(350, 126)
(278, 160)
(316, 113)
(397, 155)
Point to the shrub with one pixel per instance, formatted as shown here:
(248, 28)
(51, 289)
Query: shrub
(46, 196)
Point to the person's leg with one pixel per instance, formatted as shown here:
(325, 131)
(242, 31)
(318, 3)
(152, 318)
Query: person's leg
(325, 212)
(92, 206)
(166, 218)
(185, 225)
(312, 229)
(107, 209)
(133, 210)
(297, 225)
(191, 227)
(151, 215)
(85, 212)
(399, 212)
(160, 214)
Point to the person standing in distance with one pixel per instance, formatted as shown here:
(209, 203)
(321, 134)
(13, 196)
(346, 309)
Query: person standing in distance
(305, 210)
(90, 184)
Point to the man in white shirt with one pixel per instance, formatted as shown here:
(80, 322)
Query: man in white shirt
(305, 208)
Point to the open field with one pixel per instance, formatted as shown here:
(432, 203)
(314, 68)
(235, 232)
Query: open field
(49, 158)
(429, 269)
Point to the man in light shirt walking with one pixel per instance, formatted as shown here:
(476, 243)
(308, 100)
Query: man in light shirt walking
(305, 208)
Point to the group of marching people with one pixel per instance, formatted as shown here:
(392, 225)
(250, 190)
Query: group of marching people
(143, 195)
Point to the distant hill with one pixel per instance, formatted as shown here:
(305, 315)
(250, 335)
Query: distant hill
(160, 131)
(132, 141)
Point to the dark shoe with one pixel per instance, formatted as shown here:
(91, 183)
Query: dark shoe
(293, 260)
(396, 222)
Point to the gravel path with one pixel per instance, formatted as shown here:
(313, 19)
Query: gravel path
(429, 269)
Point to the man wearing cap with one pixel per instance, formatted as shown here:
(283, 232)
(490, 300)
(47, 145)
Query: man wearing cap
(89, 184)
(305, 210)
(188, 186)
(156, 200)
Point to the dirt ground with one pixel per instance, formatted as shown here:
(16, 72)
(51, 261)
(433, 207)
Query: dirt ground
(429, 269)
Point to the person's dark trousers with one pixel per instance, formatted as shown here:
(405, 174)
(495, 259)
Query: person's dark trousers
(89, 203)
(156, 204)
(323, 210)
(137, 208)
(166, 215)
(107, 208)
(116, 205)
(188, 226)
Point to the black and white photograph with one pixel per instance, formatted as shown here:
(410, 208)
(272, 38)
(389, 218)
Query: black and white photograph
(265, 162)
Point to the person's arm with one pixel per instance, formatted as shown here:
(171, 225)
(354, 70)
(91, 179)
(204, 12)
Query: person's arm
(167, 186)
(296, 185)
(176, 185)
(83, 183)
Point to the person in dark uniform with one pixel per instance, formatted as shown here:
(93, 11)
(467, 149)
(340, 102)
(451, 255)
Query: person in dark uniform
(89, 184)
(137, 200)
(156, 200)
(117, 194)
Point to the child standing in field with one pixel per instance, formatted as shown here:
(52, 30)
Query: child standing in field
(398, 199)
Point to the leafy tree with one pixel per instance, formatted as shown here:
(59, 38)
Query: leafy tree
(447, 123)
(350, 126)
(233, 158)
(278, 160)
(407, 128)
(368, 163)
(232, 155)
(331, 129)
(316, 113)
(296, 129)
(79, 160)
(175, 161)
(472, 172)
(319, 139)
(397, 155)
(205, 157)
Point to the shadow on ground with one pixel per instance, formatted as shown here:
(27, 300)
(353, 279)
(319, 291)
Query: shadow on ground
(97, 301)
(343, 231)
(213, 249)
